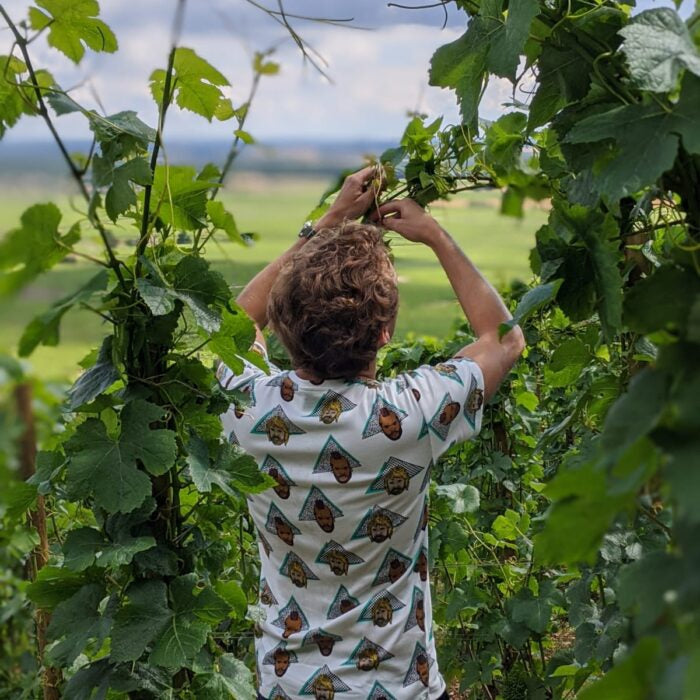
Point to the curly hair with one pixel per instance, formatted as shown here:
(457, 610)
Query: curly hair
(330, 302)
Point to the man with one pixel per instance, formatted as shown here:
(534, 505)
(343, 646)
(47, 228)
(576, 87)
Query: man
(332, 299)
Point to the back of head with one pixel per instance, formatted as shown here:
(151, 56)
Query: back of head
(332, 299)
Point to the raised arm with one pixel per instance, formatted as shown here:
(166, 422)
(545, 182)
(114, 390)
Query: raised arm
(481, 303)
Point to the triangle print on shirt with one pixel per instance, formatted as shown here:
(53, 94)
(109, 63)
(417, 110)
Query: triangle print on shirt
(319, 508)
(385, 418)
(337, 461)
(276, 426)
(324, 684)
(338, 558)
(367, 655)
(330, 406)
(342, 603)
(378, 524)
(394, 476)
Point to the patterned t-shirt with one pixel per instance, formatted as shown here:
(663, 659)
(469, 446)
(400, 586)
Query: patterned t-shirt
(343, 536)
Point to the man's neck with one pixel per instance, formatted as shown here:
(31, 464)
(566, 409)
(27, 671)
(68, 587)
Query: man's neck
(370, 372)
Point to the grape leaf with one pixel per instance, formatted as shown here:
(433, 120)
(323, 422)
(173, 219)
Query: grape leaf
(95, 380)
(646, 137)
(35, 247)
(508, 42)
(532, 300)
(196, 86)
(229, 468)
(224, 220)
(658, 47)
(44, 329)
(73, 26)
(140, 621)
(85, 546)
(120, 196)
(75, 621)
(106, 468)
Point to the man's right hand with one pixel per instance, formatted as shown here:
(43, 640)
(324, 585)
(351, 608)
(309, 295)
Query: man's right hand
(408, 218)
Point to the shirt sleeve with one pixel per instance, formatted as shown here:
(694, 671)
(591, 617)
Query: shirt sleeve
(451, 398)
(229, 380)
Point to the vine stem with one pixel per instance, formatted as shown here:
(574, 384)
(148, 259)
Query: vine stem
(75, 171)
(162, 110)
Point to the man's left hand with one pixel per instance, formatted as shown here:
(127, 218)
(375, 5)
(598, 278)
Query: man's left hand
(356, 196)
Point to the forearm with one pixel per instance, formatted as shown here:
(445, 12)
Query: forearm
(481, 303)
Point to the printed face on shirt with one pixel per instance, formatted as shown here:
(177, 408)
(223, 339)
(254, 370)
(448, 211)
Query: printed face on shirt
(281, 662)
(292, 623)
(297, 574)
(367, 659)
(331, 411)
(397, 569)
(323, 688)
(338, 562)
(422, 669)
(282, 488)
(340, 466)
(380, 527)
(449, 413)
(277, 431)
(287, 389)
(323, 516)
(421, 566)
(389, 423)
(474, 400)
(346, 605)
(420, 615)
(396, 481)
(382, 612)
(284, 531)
(325, 644)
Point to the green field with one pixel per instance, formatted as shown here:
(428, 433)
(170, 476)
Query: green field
(275, 209)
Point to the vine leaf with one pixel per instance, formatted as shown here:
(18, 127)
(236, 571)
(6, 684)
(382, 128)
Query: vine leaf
(463, 498)
(535, 612)
(508, 43)
(75, 621)
(631, 677)
(233, 679)
(44, 329)
(236, 331)
(658, 47)
(34, 247)
(646, 137)
(489, 44)
(197, 86)
(86, 546)
(181, 196)
(73, 25)
(120, 196)
(95, 380)
(532, 300)
(229, 468)
(107, 468)
(223, 219)
(139, 621)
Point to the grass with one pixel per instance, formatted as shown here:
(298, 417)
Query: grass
(275, 209)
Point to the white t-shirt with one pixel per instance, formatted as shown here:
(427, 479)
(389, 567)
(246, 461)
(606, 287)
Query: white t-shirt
(343, 538)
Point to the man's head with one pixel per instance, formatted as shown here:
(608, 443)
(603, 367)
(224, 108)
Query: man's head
(335, 303)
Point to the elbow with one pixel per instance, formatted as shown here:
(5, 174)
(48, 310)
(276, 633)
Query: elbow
(515, 343)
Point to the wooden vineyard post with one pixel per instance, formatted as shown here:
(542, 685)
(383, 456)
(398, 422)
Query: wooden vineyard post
(37, 519)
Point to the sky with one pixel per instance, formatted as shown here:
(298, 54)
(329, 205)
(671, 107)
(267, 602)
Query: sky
(376, 67)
